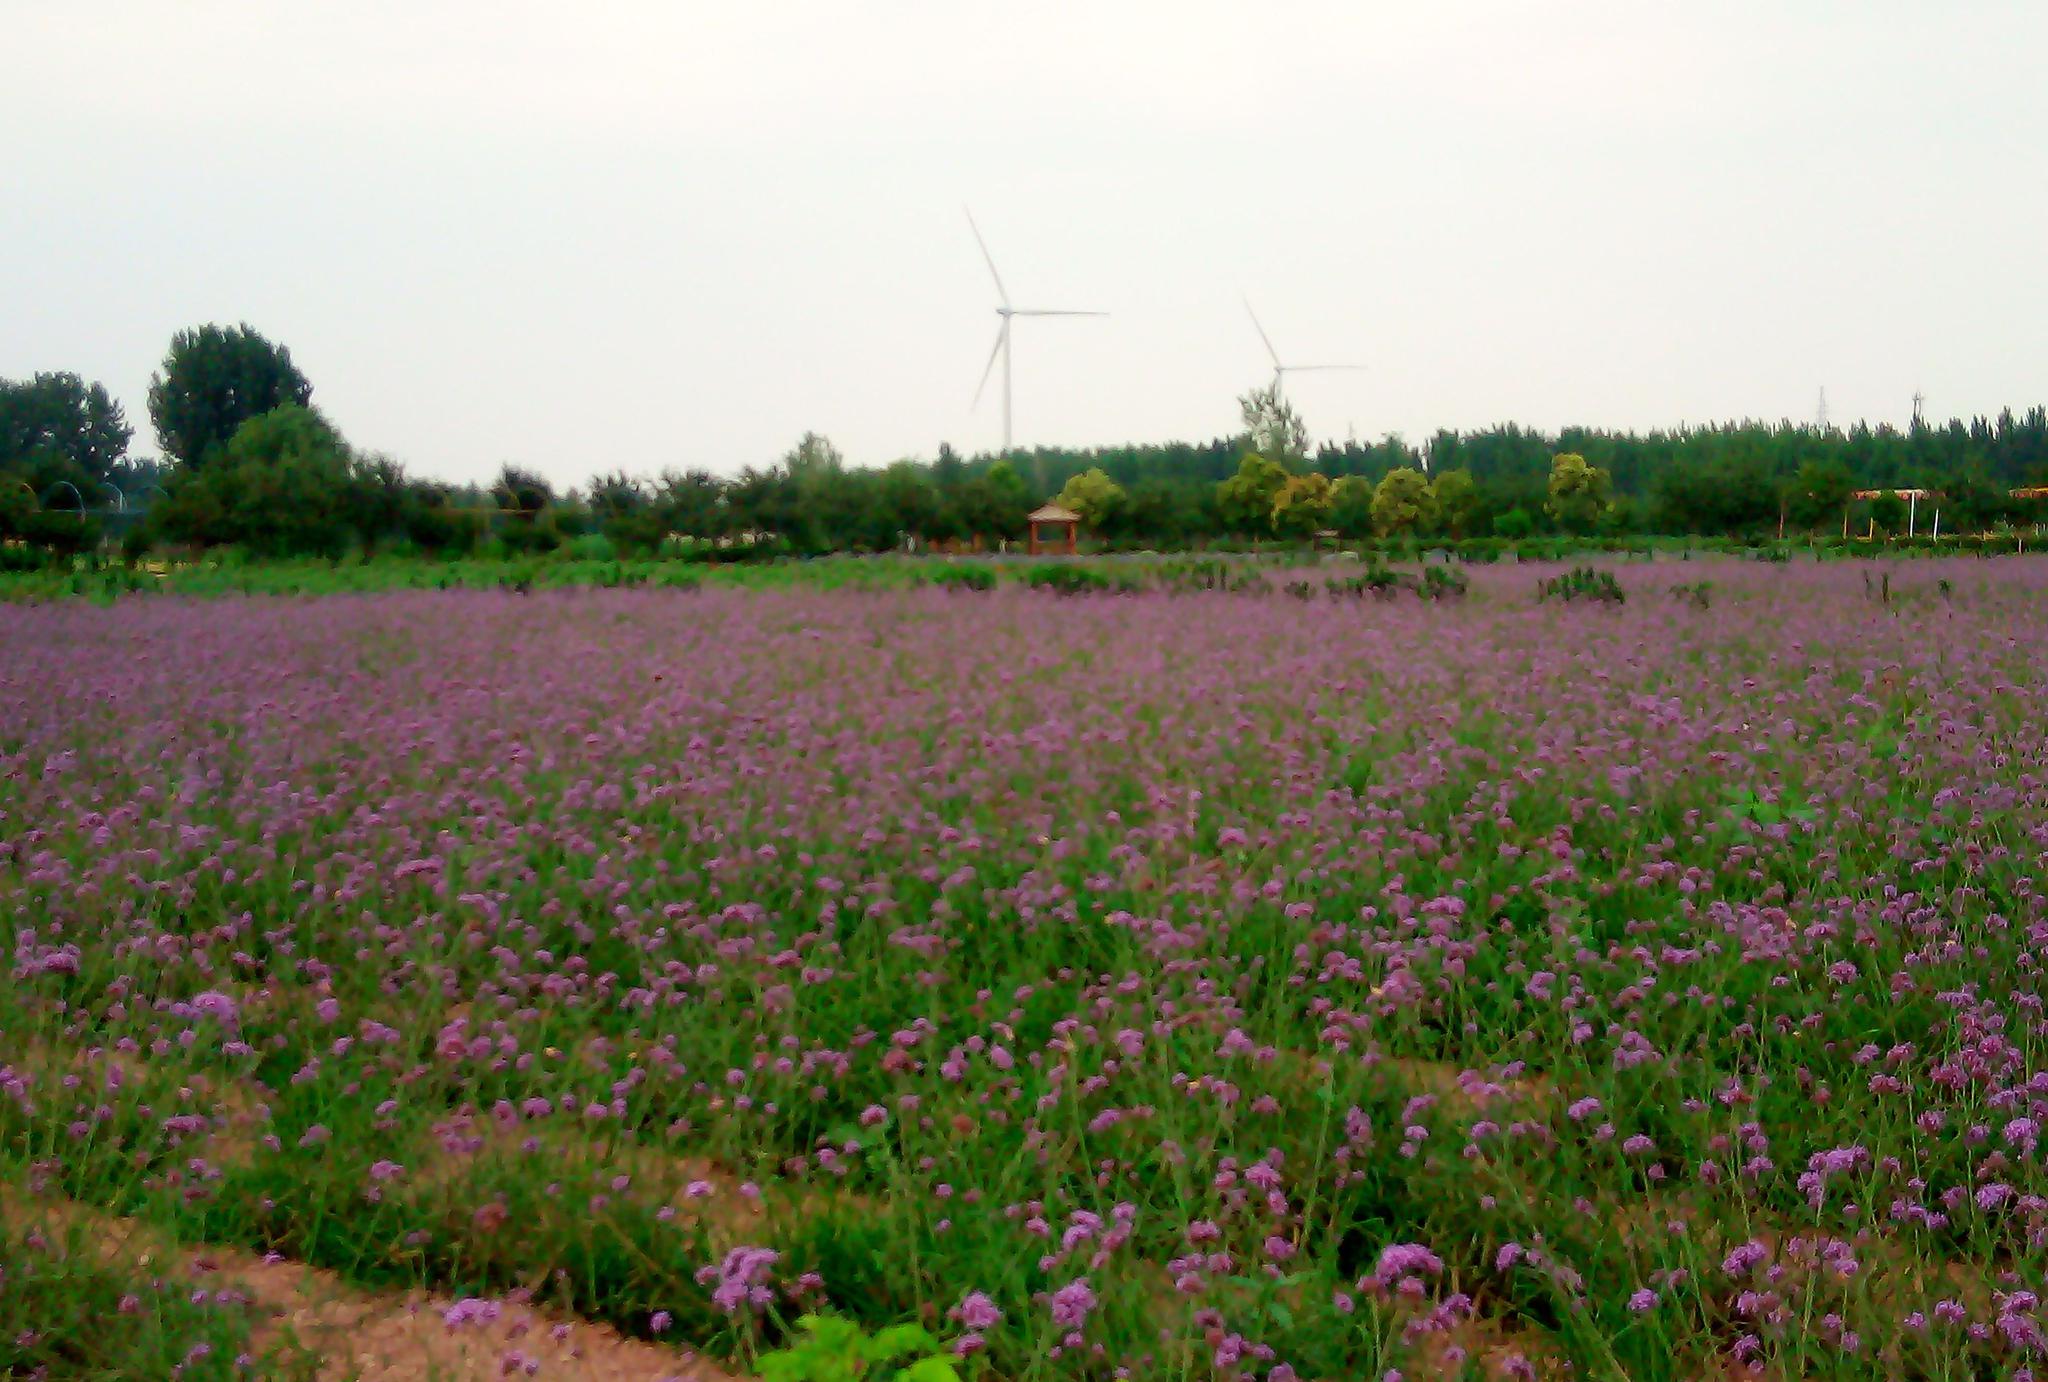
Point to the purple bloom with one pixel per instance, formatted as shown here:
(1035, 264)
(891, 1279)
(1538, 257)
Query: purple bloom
(1071, 1303)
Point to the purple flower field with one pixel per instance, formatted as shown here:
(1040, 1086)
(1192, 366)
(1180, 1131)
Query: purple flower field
(1204, 986)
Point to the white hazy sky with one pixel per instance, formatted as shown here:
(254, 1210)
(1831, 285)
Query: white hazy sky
(640, 234)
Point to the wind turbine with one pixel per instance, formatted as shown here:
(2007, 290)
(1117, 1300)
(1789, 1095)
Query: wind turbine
(1008, 313)
(1280, 371)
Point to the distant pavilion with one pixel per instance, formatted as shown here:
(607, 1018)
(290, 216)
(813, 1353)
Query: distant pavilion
(1052, 519)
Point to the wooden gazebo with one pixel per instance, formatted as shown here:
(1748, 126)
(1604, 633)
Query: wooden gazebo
(1053, 518)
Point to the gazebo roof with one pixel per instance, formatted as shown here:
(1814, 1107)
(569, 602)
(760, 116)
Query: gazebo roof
(1052, 513)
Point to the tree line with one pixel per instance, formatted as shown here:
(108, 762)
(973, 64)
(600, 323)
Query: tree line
(250, 461)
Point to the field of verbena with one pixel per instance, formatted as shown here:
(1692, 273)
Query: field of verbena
(1194, 986)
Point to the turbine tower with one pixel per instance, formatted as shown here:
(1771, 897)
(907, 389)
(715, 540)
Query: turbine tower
(1280, 371)
(1008, 313)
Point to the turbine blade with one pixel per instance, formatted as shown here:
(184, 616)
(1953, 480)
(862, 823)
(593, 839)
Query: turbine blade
(1053, 312)
(1002, 339)
(1293, 368)
(1262, 334)
(988, 259)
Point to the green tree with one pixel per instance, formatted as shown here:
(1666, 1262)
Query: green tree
(1402, 503)
(285, 484)
(1351, 506)
(1971, 502)
(524, 491)
(993, 504)
(214, 379)
(1456, 497)
(1817, 493)
(1579, 492)
(1246, 498)
(1514, 525)
(56, 427)
(1303, 504)
(1888, 512)
(1273, 429)
(813, 457)
(616, 494)
(1094, 496)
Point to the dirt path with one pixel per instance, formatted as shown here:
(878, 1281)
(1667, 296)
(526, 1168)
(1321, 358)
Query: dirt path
(382, 1336)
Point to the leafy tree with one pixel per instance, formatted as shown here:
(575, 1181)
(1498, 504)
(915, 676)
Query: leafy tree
(1402, 503)
(1971, 502)
(1579, 492)
(385, 499)
(214, 379)
(910, 504)
(1351, 506)
(1818, 492)
(1094, 496)
(1455, 495)
(56, 427)
(524, 491)
(616, 494)
(814, 456)
(1273, 429)
(993, 504)
(1514, 525)
(1303, 504)
(1246, 498)
(692, 503)
(284, 485)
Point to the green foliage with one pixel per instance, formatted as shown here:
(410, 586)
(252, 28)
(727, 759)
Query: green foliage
(56, 427)
(1068, 578)
(1514, 525)
(1582, 583)
(1579, 492)
(971, 578)
(213, 380)
(1443, 583)
(1273, 429)
(1402, 503)
(1817, 493)
(68, 1311)
(1888, 511)
(1457, 500)
(59, 532)
(1245, 500)
(830, 1349)
(1302, 504)
(1351, 506)
(284, 485)
(1094, 496)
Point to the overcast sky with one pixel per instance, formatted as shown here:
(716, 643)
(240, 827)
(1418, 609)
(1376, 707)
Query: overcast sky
(645, 233)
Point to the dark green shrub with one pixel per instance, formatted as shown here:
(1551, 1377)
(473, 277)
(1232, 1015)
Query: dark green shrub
(1582, 583)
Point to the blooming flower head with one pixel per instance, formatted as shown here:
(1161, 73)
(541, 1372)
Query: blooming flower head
(1072, 1302)
(977, 1311)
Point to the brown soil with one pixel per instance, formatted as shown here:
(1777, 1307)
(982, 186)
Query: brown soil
(383, 1337)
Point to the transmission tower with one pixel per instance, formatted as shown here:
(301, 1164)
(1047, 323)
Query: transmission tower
(1820, 416)
(1919, 406)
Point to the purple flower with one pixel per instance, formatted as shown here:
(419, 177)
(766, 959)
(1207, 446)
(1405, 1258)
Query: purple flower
(470, 1310)
(977, 1311)
(1071, 1303)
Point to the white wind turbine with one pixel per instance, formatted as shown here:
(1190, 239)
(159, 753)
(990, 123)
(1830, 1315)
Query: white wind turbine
(1005, 311)
(1280, 371)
